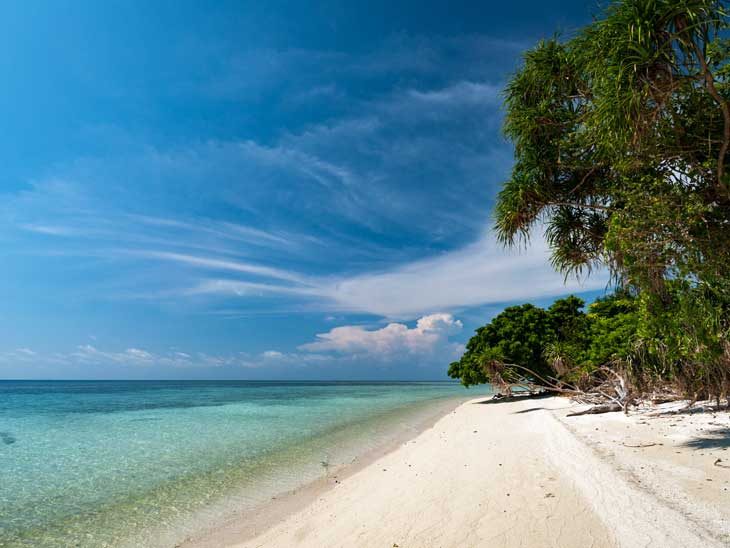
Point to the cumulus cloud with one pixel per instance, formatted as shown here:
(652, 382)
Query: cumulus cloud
(99, 358)
(130, 356)
(429, 336)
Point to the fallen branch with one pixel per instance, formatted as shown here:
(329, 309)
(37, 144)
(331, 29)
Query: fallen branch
(641, 445)
(598, 409)
(600, 395)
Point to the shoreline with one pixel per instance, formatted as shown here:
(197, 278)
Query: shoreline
(509, 474)
(164, 462)
(248, 524)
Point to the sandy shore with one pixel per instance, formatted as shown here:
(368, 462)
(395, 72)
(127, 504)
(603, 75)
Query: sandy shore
(522, 474)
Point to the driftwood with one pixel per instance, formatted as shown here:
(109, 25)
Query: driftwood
(609, 393)
(640, 445)
(598, 409)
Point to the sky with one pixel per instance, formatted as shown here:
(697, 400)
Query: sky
(259, 190)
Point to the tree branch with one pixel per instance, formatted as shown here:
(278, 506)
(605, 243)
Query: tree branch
(577, 205)
(710, 85)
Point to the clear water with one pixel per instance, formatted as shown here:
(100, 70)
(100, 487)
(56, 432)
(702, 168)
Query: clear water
(121, 463)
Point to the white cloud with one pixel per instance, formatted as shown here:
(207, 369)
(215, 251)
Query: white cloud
(19, 355)
(464, 94)
(25, 351)
(87, 353)
(138, 354)
(479, 274)
(223, 230)
(429, 336)
(49, 230)
(323, 172)
(242, 289)
(220, 264)
(89, 356)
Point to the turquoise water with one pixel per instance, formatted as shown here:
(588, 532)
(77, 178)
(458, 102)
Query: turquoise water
(121, 463)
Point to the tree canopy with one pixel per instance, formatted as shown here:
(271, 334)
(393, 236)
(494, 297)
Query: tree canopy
(522, 336)
(621, 135)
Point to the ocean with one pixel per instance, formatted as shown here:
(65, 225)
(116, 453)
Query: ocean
(148, 463)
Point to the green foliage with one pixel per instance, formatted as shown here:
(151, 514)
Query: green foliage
(613, 324)
(686, 337)
(621, 138)
(685, 343)
(519, 335)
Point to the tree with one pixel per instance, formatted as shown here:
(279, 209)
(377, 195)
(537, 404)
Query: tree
(621, 138)
(566, 354)
(519, 336)
(613, 322)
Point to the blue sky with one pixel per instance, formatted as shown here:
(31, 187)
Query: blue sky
(258, 189)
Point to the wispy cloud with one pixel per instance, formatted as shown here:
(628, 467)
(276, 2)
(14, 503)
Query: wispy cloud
(376, 206)
(250, 74)
(50, 230)
(25, 352)
(463, 94)
(329, 226)
(218, 264)
(376, 170)
(243, 288)
(479, 274)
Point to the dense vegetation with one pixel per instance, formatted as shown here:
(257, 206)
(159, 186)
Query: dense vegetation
(621, 138)
(560, 346)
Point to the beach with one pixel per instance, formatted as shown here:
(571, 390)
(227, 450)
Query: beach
(206, 465)
(522, 474)
(151, 463)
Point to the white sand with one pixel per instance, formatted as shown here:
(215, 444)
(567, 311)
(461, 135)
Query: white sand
(512, 474)
(670, 459)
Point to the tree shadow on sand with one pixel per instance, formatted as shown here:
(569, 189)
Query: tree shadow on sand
(697, 409)
(714, 439)
(507, 399)
(529, 410)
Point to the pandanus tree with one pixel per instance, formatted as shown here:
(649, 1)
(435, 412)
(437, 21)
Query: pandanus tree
(621, 138)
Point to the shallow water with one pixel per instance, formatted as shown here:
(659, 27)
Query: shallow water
(120, 463)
